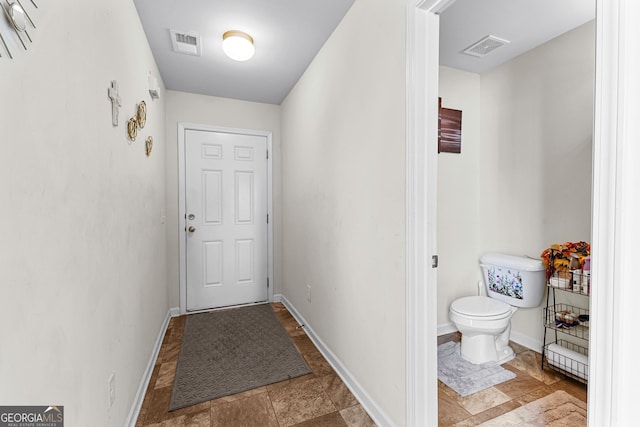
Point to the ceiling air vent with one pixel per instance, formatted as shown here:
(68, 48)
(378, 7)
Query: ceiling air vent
(187, 43)
(485, 46)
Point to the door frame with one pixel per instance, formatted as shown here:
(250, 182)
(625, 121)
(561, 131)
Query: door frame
(614, 218)
(422, 51)
(182, 234)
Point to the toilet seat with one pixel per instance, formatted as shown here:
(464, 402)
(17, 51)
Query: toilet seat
(482, 308)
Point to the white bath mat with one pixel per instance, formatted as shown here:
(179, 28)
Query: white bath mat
(464, 377)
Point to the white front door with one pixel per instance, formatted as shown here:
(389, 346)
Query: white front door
(226, 219)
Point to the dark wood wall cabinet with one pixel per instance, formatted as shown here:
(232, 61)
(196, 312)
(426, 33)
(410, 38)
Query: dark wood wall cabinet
(449, 129)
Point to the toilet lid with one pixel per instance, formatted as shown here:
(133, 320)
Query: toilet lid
(480, 306)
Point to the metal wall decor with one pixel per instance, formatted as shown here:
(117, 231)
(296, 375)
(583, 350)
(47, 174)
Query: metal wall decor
(132, 128)
(138, 121)
(141, 114)
(14, 29)
(148, 145)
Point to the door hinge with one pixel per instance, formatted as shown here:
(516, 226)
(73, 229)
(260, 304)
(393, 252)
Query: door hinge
(267, 283)
(434, 261)
(267, 218)
(267, 154)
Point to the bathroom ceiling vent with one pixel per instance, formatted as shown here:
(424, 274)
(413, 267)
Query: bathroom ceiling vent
(187, 43)
(485, 46)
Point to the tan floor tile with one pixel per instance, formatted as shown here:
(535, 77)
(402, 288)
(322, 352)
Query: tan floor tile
(198, 419)
(483, 400)
(282, 384)
(355, 416)
(290, 324)
(535, 394)
(146, 402)
(172, 351)
(557, 409)
(338, 392)
(159, 407)
(318, 364)
(166, 374)
(160, 354)
(573, 387)
(167, 338)
(204, 406)
(239, 396)
(304, 344)
(517, 348)
(520, 385)
(446, 391)
(278, 307)
(253, 411)
(300, 401)
(529, 362)
(449, 411)
(154, 376)
(488, 414)
(333, 419)
(179, 321)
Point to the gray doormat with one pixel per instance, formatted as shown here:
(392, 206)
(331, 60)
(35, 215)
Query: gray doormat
(229, 351)
(464, 377)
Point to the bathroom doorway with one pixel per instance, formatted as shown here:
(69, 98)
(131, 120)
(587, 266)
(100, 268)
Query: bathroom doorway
(526, 97)
(612, 368)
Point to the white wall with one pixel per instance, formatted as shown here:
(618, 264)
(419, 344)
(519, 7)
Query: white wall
(343, 137)
(82, 252)
(530, 173)
(535, 163)
(231, 113)
(458, 193)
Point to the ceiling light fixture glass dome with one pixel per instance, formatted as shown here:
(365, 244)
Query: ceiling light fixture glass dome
(238, 45)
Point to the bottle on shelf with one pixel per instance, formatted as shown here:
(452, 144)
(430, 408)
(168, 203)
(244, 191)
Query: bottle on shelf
(586, 276)
(576, 273)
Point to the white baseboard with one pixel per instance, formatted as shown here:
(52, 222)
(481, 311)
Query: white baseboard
(526, 341)
(517, 337)
(368, 404)
(446, 328)
(144, 382)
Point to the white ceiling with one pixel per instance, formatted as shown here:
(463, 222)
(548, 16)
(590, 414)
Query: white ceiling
(289, 33)
(525, 23)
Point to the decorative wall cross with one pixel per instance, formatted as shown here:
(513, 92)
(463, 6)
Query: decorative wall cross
(115, 102)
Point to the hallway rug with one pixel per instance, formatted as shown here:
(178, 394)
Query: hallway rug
(464, 377)
(229, 351)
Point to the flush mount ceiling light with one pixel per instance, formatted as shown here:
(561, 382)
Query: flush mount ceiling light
(238, 45)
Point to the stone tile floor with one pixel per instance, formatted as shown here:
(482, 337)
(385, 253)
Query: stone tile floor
(322, 399)
(317, 399)
(515, 402)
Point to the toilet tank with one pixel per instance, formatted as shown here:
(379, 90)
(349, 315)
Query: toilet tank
(516, 280)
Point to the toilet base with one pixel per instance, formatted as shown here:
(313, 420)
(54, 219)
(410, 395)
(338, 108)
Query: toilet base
(479, 349)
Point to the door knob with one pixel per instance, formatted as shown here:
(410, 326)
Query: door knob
(192, 229)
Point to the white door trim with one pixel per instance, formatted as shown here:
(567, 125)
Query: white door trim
(421, 210)
(182, 127)
(613, 366)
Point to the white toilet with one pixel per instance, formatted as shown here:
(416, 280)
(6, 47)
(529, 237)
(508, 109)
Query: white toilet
(485, 321)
